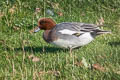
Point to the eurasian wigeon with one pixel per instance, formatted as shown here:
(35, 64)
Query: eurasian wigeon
(68, 34)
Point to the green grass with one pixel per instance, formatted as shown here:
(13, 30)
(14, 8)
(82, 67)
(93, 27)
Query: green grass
(18, 17)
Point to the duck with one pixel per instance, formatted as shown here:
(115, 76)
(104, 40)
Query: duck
(68, 34)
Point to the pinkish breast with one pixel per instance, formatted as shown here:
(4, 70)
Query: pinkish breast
(49, 36)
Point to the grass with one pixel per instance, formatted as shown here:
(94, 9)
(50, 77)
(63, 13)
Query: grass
(19, 48)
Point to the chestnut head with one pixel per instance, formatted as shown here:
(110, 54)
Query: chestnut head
(45, 24)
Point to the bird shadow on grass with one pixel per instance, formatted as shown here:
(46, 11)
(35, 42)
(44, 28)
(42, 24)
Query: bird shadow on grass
(114, 44)
(40, 49)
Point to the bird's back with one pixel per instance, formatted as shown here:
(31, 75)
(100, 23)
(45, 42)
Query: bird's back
(74, 34)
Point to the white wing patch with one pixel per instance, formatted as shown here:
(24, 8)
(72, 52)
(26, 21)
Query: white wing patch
(66, 31)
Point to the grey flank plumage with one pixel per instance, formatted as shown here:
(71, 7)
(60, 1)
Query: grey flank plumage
(74, 34)
(81, 28)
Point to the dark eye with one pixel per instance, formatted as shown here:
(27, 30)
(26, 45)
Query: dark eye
(42, 22)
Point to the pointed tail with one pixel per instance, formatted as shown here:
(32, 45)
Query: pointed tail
(102, 32)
